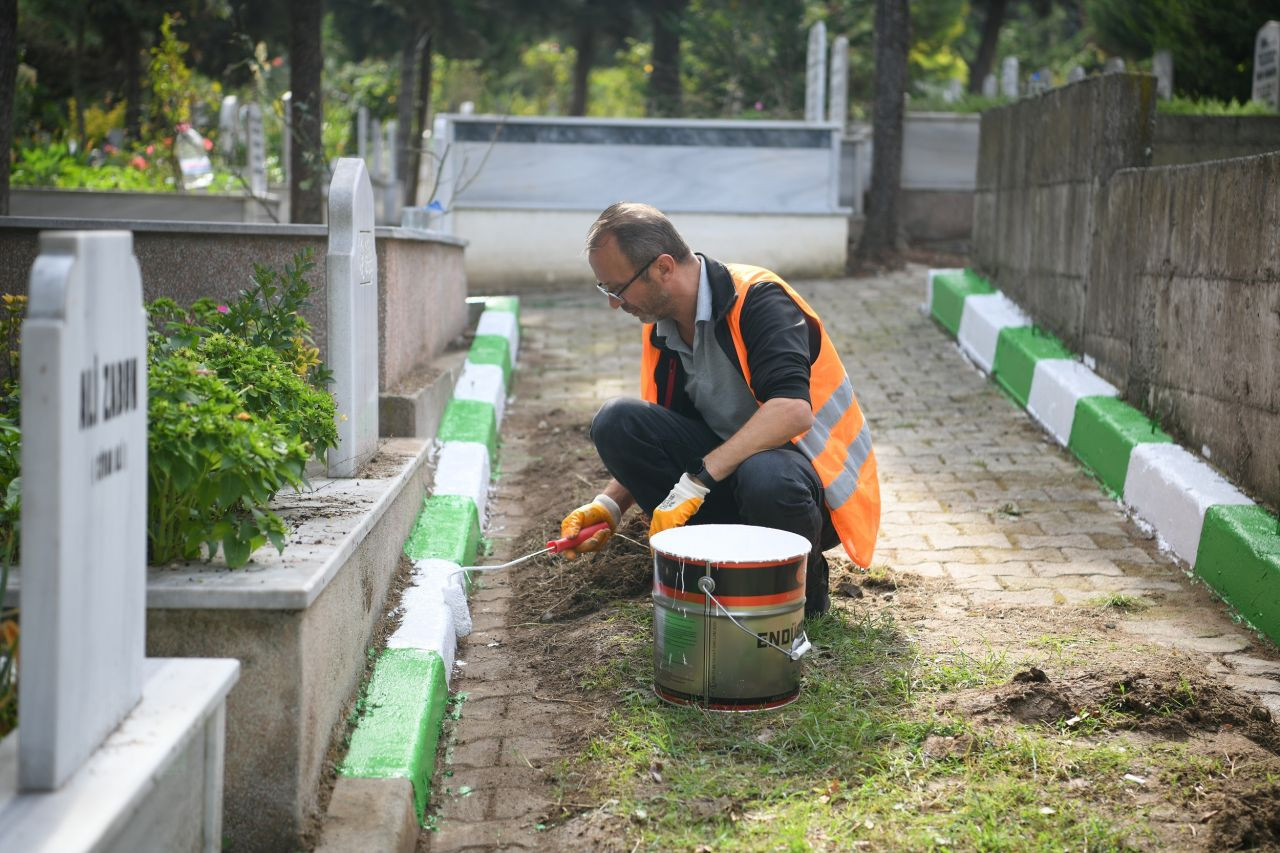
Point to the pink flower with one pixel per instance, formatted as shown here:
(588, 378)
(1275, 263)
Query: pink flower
(109, 148)
(183, 127)
(208, 145)
(223, 309)
(138, 163)
(277, 62)
(151, 149)
(759, 106)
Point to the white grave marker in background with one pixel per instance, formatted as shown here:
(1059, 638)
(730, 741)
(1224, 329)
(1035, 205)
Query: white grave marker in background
(229, 125)
(838, 99)
(989, 89)
(816, 73)
(84, 500)
(257, 151)
(1075, 75)
(1114, 65)
(352, 271)
(1009, 77)
(1162, 65)
(362, 132)
(1266, 62)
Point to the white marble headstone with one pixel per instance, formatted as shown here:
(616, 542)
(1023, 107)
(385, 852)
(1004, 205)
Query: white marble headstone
(84, 500)
(1114, 65)
(816, 76)
(1009, 77)
(1162, 65)
(838, 100)
(257, 150)
(1266, 61)
(1075, 75)
(229, 125)
(375, 166)
(352, 271)
(989, 89)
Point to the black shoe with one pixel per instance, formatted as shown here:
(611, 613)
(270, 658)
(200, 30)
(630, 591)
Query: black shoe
(817, 601)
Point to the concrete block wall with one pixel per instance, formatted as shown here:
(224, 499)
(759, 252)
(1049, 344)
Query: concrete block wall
(1041, 161)
(1167, 277)
(1183, 313)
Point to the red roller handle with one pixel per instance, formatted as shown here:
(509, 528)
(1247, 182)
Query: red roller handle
(558, 545)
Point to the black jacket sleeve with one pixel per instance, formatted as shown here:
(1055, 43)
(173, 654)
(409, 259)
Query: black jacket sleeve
(781, 341)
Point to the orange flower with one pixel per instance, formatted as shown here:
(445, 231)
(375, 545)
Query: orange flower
(244, 416)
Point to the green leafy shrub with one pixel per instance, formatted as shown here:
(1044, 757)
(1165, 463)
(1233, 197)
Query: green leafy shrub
(1184, 106)
(212, 466)
(269, 386)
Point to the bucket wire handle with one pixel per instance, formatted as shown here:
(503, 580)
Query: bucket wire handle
(801, 644)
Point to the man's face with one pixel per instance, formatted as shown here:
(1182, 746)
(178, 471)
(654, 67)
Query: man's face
(645, 298)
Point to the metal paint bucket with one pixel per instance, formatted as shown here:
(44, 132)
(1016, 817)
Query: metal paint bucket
(728, 616)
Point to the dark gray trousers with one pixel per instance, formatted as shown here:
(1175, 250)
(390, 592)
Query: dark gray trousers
(646, 448)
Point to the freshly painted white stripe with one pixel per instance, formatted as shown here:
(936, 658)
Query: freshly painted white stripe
(980, 324)
(482, 382)
(503, 324)
(1056, 385)
(428, 622)
(928, 293)
(1171, 488)
(463, 469)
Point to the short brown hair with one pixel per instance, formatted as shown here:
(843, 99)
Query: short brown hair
(642, 231)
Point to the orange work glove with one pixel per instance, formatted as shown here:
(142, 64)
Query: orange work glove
(679, 506)
(602, 508)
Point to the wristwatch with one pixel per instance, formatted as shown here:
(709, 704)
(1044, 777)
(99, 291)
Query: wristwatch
(698, 470)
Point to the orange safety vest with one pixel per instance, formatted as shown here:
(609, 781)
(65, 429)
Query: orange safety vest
(839, 442)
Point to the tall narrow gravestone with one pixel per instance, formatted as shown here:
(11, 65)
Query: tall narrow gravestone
(352, 271)
(838, 97)
(1266, 63)
(1009, 77)
(1162, 65)
(84, 495)
(256, 142)
(816, 73)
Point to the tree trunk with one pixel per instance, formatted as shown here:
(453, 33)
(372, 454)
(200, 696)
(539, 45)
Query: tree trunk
(306, 201)
(982, 63)
(132, 83)
(421, 114)
(8, 80)
(404, 108)
(879, 244)
(664, 82)
(584, 43)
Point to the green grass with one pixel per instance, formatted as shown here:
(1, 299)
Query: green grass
(1120, 601)
(851, 760)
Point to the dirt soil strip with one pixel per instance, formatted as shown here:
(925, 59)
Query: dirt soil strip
(999, 559)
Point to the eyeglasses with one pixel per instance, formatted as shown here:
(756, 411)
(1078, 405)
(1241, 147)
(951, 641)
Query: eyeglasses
(618, 295)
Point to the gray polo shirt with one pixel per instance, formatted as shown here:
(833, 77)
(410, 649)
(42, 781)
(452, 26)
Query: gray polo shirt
(715, 386)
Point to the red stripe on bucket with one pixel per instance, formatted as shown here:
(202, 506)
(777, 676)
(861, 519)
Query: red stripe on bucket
(730, 600)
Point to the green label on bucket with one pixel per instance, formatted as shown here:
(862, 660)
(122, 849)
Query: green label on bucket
(678, 632)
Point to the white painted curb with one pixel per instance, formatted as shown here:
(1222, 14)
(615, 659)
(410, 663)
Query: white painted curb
(435, 610)
(928, 291)
(463, 469)
(1171, 489)
(483, 382)
(504, 325)
(980, 324)
(1056, 386)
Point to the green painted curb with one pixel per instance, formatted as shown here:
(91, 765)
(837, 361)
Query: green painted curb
(1104, 433)
(492, 349)
(471, 420)
(1239, 556)
(1018, 348)
(949, 293)
(448, 528)
(396, 736)
(503, 303)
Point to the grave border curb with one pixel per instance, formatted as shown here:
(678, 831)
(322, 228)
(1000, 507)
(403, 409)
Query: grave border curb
(1164, 489)
(445, 537)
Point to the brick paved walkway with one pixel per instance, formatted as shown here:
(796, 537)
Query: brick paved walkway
(973, 493)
